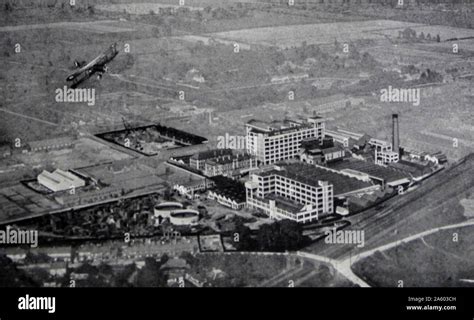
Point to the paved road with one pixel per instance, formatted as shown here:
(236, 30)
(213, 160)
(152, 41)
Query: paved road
(28, 117)
(343, 267)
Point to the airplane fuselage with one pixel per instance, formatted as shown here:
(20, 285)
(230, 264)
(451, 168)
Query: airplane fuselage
(98, 65)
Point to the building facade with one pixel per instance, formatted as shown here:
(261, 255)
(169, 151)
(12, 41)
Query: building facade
(271, 142)
(230, 165)
(285, 196)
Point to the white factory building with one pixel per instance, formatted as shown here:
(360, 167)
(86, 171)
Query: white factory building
(282, 195)
(271, 142)
(60, 180)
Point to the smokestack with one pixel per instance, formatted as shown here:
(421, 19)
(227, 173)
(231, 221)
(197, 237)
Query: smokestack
(395, 134)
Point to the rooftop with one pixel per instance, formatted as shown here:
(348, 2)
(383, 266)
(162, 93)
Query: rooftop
(279, 126)
(370, 168)
(285, 203)
(415, 169)
(210, 154)
(229, 158)
(229, 188)
(312, 175)
(60, 177)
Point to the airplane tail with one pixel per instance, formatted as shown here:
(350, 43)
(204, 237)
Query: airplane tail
(79, 64)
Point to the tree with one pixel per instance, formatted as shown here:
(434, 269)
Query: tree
(281, 236)
(245, 241)
(151, 275)
(11, 276)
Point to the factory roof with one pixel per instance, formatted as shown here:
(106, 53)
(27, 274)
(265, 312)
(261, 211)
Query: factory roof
(370, 168)
(61, 178)
(281, 126)
(412, 168)
(210, 154)
(284, 203)
(229, 188)
(229, 158)
(311, 175)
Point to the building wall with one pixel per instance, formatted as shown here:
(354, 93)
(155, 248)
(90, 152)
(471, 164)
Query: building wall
(226, 169)
(318, 200)
(271, 148)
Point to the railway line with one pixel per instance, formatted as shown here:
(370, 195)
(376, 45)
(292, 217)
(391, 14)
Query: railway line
(379, 226)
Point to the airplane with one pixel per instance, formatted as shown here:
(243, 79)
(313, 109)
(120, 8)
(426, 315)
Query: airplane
(98, 65)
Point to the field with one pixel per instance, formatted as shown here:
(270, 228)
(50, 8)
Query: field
(101, 27)
(85, 152)
(142, 8)
(432, 261)
(322, 33)
(145, 4)
(445, 32)
(250, 270)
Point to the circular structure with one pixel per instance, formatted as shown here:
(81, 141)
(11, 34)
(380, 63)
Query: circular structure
(184, 217)
(164, 209)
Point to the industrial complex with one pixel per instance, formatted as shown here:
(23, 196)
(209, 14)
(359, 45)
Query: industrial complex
(193, 143)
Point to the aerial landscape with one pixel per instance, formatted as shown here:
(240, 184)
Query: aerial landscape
(237, 143)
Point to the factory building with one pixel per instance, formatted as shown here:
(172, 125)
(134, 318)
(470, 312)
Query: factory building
(234, 165)
(59, 180)
(384, 152)
(315, 151)
(299, 191)
(226, 162)
(275, 141)
(282, 195)
(198, 160)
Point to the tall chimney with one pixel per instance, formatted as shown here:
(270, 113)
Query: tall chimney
(395, 134)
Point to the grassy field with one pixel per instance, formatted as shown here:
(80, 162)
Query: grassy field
(433, 261)
(445, 32)
(322, 33)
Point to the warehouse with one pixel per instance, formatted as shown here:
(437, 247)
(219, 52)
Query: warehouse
(60, 180)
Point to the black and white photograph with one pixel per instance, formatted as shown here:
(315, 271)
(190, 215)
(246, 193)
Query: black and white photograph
(205, 144)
